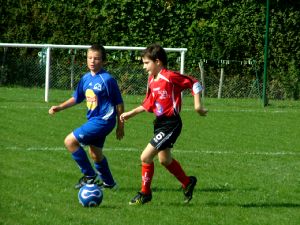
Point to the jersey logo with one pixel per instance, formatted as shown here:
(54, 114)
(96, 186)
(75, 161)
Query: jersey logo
(159, 109)
(81, 136)
(97, 87)
(91, 99)
(163, 94)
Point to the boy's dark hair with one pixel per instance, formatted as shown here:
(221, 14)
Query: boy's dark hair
(154, 52)
(100, 48)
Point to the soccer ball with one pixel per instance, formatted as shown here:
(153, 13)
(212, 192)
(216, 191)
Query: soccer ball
(90, 195)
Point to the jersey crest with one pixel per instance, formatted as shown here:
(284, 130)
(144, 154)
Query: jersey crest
(98, 87)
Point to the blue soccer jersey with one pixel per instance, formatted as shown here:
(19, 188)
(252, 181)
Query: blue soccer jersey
(102, 94)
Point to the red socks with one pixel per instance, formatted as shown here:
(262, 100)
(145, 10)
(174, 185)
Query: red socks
(175, 168)
(147, 175)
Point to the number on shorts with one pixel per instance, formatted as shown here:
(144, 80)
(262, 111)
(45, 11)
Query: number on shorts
(159, 136)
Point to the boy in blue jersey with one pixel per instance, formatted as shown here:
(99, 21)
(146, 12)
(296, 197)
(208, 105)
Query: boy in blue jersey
(104, 107)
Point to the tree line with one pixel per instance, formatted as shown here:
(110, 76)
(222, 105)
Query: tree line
(210, 29)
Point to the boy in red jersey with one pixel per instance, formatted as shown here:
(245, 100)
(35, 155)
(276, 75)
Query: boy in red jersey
(163, 98)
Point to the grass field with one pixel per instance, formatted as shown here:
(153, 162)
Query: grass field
(246, 159)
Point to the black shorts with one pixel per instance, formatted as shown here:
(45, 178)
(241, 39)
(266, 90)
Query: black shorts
(166, 132)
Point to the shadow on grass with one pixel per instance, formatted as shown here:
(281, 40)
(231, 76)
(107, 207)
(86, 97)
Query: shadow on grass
(254, 205)
(270, 205)
(110, 207)
(223, 189)
(220, 189)
(154, 189)
(217, 189)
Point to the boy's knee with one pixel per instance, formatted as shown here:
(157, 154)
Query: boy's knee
(145, 159)
(164, 162)
(71, 143)
(67, 141)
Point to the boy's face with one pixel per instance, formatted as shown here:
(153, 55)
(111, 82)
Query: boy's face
(94, 61)
(152, 67)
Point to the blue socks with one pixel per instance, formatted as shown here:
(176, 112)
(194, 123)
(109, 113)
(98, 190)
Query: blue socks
(86, 168)
(83, 162)
(104, 172)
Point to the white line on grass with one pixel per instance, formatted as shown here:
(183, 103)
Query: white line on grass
(206, 152)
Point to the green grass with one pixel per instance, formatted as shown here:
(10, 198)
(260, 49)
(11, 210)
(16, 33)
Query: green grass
(246, 158)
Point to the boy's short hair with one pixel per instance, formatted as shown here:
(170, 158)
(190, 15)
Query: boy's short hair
(154, 52)
(99, 48)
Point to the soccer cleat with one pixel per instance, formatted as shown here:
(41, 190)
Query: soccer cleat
(188, 191)
(140, 199)
(88, 180)
(113, 187)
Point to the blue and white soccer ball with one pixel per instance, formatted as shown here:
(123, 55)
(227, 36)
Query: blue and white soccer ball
(90, 195)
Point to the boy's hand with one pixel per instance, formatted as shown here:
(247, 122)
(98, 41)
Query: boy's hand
(125, 116)
(54, 109)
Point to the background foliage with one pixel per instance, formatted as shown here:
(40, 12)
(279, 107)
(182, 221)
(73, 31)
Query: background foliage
(210, 29)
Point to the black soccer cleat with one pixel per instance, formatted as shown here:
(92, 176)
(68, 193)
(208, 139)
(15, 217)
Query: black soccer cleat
(141, 199)
(88, 180)
(188, 191)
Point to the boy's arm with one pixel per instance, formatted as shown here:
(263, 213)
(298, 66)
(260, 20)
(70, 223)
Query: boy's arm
(120, 124)
(127, 115)
(56, 108)
(197, 105)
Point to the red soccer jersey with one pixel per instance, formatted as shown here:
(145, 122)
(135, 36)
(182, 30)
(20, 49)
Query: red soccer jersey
(164, 94)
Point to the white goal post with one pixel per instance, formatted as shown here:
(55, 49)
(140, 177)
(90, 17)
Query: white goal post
(48, 47)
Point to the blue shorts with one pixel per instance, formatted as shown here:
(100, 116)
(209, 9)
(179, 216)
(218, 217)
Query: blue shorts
(94, 132)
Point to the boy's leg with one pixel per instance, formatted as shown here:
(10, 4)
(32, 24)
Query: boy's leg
(94, 134)
(175, 168)
(147, 175)
(79, 155)
(101, 165)
(145, 195)
(103, 168)
(83, 162)
(188, 183)
(147, 168)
